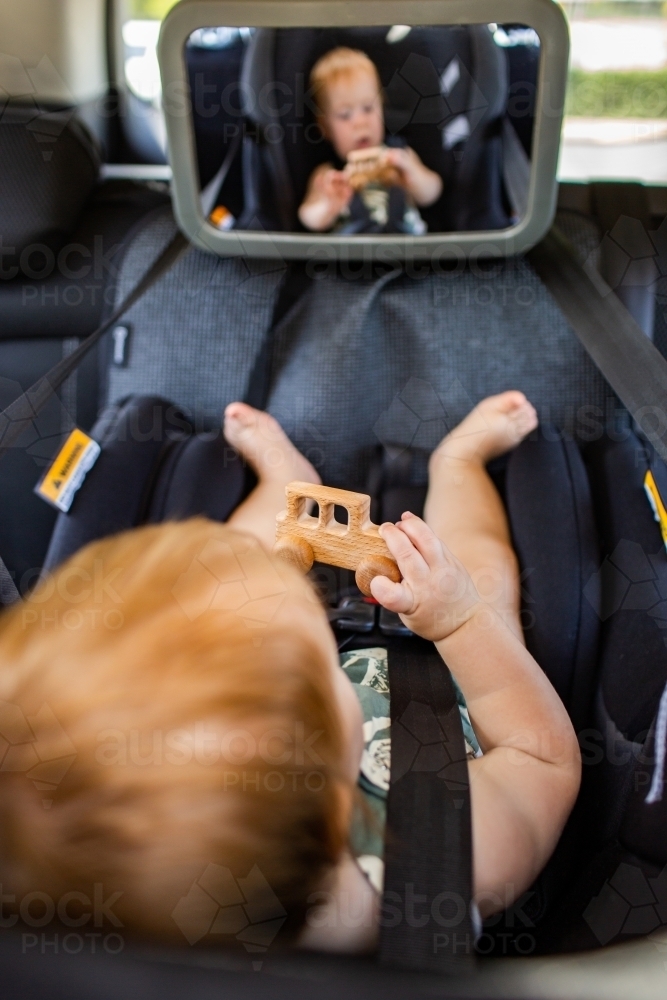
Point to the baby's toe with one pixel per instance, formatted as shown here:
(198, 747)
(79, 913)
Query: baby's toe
(508, 402)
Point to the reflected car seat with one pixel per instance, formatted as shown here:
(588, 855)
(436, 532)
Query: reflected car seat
(446, 92)
(214, 69)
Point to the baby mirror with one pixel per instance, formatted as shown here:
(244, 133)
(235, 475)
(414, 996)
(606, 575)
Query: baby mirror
(323, 131)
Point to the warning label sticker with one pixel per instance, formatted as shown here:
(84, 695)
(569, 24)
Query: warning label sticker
(68, 470)
(656, 501)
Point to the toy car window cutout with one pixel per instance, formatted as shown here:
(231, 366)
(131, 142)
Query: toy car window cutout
(302, 539)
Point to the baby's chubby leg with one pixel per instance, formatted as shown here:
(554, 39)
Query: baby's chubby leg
(264, 445)
(463, 507)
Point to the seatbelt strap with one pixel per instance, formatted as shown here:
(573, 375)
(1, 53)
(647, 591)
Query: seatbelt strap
(15, 418)
(618, 205)
(209, 195)
(8, 592)
(633, 367)
(426, 921)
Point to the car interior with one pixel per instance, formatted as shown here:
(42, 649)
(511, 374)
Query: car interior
(154, 269)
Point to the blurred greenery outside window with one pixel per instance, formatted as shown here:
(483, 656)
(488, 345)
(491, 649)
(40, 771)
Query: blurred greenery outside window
(592, 93)
(618, 62)
(150, 10)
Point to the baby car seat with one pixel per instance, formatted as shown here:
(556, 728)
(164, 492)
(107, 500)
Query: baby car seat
(446, 93)
(593, 608)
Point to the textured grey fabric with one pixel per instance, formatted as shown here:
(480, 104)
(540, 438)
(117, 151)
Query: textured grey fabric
(402, 359)
(583, 233)
(399, 358)
(196, 333)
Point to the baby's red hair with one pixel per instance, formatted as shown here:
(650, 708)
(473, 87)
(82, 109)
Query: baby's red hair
(204, 727)
(339, 64)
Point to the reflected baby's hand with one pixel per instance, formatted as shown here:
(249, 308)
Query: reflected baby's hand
(334, 186)
(403, 159)
(423, 184)
(436, 594)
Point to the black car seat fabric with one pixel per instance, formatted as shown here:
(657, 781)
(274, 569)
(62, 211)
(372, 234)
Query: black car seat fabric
(523, 58)
(214, 70)
(62, 234)
(554, 535)
(607, 880)
(445, 87)
(152, 468)
(633, 577)
(42, 206)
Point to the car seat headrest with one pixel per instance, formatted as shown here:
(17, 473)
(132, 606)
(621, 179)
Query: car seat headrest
(49, 165)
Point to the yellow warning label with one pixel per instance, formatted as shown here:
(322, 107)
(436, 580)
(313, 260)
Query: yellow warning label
(222, 218)
(655, 500)
(68, 470)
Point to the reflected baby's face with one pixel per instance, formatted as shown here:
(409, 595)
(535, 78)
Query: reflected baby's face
(353, 116)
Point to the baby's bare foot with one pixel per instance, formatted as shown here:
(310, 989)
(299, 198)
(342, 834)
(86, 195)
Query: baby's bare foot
(263, 443)
(495, 426)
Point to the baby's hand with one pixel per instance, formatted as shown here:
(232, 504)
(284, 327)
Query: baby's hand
(423, 184)
(436, 594)
(334, 186)
(404, 159)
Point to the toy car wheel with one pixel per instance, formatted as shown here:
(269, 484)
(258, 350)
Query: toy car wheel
(375, 566)
(296, 551)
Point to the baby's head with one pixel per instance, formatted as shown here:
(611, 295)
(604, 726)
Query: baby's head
(190, 728)
(348, 96)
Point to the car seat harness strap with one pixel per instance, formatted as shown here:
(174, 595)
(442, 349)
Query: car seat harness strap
(426, 920)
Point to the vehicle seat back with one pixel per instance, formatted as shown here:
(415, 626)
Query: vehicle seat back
(61, 233)
(49, 165)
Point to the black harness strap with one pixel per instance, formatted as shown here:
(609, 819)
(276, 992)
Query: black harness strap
(19, 414)
(426, 920)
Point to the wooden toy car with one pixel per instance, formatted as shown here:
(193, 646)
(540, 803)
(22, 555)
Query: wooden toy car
(367, 166)
(357, 545)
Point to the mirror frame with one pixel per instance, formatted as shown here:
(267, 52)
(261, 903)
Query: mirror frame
(544, 16)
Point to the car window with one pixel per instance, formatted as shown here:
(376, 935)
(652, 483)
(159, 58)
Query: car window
(616, 110)
(140, 29)
(138, 23)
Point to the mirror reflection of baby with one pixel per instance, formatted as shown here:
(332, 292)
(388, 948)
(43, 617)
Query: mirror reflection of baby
(213, 734)
(378, 185)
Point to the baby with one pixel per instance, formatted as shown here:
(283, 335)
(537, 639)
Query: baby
(200, 745)
(348, 96)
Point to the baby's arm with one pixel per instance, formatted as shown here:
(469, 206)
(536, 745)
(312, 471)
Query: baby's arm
(424, 185)
(327, 195)
(523, 788)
